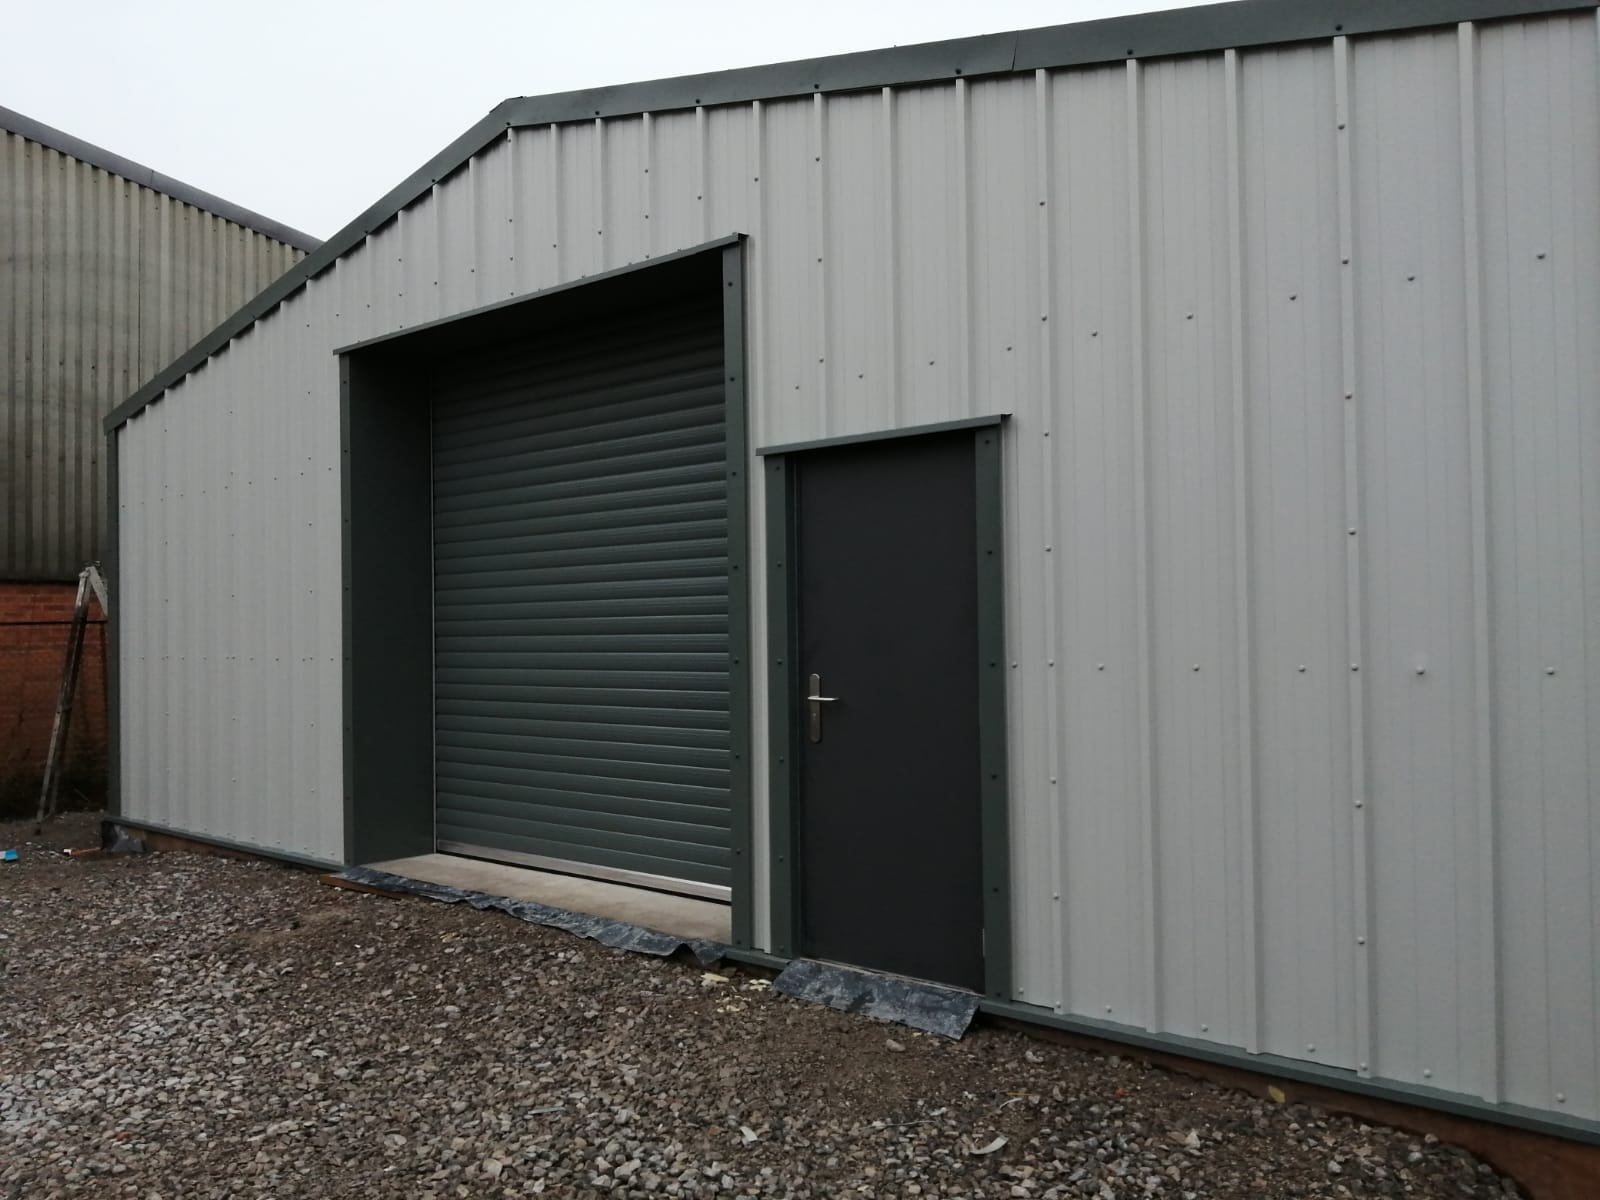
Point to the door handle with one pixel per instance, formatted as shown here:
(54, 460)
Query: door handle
(814, 702)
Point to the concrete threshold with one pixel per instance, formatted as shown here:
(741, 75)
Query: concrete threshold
(680, 916)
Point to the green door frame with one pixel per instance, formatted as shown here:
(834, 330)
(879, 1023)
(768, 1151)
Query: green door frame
(784, 711)
(387, 557)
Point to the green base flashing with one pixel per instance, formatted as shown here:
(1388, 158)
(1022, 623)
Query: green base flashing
(755, 958)
(221, 843)
(1454, 1103)
(1515, 1116)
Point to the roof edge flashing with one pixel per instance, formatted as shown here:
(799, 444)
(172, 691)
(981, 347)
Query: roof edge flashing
(112, 163)
(1168, 33)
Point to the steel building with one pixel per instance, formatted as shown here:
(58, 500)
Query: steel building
(1158, 458)
(108, 270)
(111, 271)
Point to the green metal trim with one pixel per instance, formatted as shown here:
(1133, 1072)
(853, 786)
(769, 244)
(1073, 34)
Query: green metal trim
(113, 629)
(1249, 23)
(1245, 23)
(96, 156)
(783, 713)
(883, 435)
(1515, 1115)
(992, 737)
(206, 839)
(736, 425)
(347, 616)
(385, 457)
(783, 708)
(1182, 31)
(386, 609)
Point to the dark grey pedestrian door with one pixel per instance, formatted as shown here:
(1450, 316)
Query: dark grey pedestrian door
(581, 600)
(890, 836)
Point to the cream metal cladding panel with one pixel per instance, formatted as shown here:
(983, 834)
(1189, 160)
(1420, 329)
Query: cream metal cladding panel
(1533, 308)
(228, 595)
(1414, 536)
(1275, 784)
(1297, 702)
(106, 281)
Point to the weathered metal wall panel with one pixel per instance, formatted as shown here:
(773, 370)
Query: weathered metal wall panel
(1300, 504)
(1289, 310)
(105, 281)
(1415, 552)
(1087, 739)
(1537, 113)
(229, 603)
(1199, 928)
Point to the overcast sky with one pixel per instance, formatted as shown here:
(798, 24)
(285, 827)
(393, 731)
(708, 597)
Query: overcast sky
(308, 112)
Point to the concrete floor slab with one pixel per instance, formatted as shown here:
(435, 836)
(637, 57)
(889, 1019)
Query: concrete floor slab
(681, 916)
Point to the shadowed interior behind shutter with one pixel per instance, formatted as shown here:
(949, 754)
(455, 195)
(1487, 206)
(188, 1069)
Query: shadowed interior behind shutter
(581, 644)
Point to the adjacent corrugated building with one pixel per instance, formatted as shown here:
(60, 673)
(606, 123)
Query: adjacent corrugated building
(111, 270)
(108, 270)
(1105, 515)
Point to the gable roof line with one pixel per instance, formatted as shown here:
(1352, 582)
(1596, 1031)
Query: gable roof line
(97, 156)
(1240, 24)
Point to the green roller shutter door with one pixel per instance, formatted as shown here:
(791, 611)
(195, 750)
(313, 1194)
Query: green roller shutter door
(581, 645)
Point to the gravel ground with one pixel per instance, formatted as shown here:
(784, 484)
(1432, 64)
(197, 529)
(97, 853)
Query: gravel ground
(177, 1026)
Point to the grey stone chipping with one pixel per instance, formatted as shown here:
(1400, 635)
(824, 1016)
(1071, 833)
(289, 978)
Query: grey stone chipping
(178, 1026)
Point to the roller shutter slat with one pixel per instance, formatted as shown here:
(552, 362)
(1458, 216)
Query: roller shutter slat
(604, 855)
(664, 700)
(469, 708)
(701, 572)
(702, 587)
(582, 383)
(663, 824)
(621, 459)
(581, 600)
(605, 625)
(593, 533)
(583, 506)
(680, 413)
(689, 785)
(629, 488)
(583, 736)
(514, 554)
(569, 806)
(602, 641)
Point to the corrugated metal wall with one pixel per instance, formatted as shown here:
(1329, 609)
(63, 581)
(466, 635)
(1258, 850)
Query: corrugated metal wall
(104, 283)
(1304, 554)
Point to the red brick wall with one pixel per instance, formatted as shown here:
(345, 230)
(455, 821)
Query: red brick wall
(34, 622)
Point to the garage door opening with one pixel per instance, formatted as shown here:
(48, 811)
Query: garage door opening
(547, 613)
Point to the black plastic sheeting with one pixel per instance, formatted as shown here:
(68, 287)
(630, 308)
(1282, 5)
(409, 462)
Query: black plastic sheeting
(923, 1006)
(617, 934)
